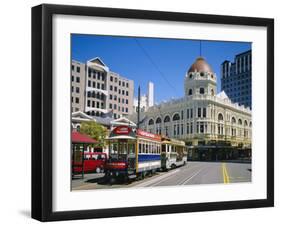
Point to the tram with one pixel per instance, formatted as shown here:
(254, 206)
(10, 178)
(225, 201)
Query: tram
(173, 153)
(132, 153)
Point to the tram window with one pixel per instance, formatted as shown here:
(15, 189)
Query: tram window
(146, 148)
(140, 148)
(131, 148)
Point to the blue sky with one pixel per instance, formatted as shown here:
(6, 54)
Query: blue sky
(162, 61)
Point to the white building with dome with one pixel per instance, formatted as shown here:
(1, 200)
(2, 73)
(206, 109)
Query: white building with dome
(212, 126)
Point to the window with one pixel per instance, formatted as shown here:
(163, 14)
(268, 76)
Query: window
(94, 84)
(123, 83)
(93, 104)
(201, 90)
(72, 78)
(190, 92)
(98, 104)
(98, 85)
(158, 120)
(123, 92)
(72, 88)
(115, 97)
(127, 85)
(72, 67)
(78, 69)
(111, 88)
(78, 79)
(204, 112)
(110, 106)
(93, 94)
(77, 100)
(88, 103)
(110, 96)
(72, 100)
(176, 117)
(115, 79)
(191, 113)
(127, 93)
(167, 119)
(77, 90)
(102, 86)
(150, 122)
(127, 101)
(89, 83)
(115, 106)
(199, 112)
(111, 78)
(187, 113)
(127, 110)
(115, 88)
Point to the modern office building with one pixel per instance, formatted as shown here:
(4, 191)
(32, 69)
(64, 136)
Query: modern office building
(77, 86)
(102, 93)
(120, 95)
(212, 125)
(146, 100)
(150, 94)
(236, 78)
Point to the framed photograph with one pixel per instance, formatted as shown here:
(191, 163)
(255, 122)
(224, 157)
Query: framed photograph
(145, 112)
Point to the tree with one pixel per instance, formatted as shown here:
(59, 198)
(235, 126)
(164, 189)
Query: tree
(95, 131)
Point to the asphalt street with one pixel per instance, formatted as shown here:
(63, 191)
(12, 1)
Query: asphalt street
(192, 173)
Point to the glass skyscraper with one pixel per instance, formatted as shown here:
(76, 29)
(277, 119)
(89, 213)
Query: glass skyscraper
(236, 78)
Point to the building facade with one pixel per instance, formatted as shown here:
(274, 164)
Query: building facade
(121, 95)
(77, 86)
(101, 92)
(236, 78)
(212, 126)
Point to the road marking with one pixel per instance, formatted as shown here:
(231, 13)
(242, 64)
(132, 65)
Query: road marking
(225, 174)
(157, 180)
(188, 179)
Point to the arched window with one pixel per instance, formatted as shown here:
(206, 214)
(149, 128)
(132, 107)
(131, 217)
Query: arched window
(150, 122)
(176, 117)
(212, 92)
(158, 120)
(220, 124)
(245, 123)
(190, 76)
(250, 124)
(190, 92)
(233, 120)
(167, 119)
(201, 74)
(220, 117)
(239, 121)
(201, 90)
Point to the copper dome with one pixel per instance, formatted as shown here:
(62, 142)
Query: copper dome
(200, 65)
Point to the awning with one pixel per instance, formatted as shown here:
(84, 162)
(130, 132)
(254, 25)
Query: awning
(79, 138)
(121, 137)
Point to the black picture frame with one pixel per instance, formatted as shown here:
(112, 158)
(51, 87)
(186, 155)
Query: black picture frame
(42, 111)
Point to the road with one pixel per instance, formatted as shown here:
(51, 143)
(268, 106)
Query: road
(192, 173)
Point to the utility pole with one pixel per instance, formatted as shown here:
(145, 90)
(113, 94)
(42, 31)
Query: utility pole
(138, 123)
